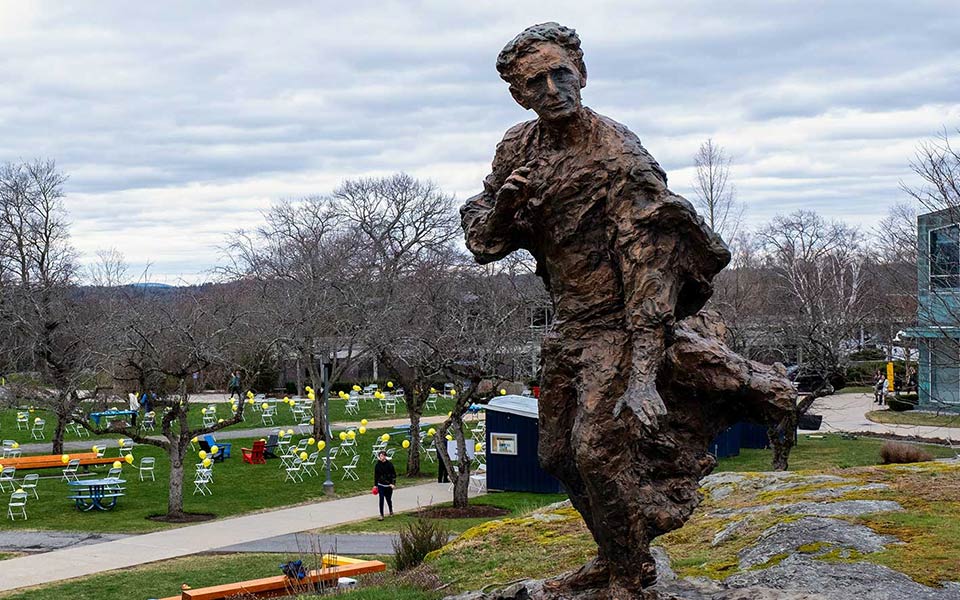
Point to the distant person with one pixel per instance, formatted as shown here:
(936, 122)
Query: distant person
(233, 386)
(442, 475)
(879, 388)
(385, 478)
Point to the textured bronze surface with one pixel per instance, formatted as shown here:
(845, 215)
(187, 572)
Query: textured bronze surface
(636, 382)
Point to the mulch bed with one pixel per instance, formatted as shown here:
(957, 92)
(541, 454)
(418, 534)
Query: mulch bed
(470, 512)
(184, 518)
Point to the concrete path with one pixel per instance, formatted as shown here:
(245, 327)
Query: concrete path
(227, 434)
(847, 413)
(79, 561)
(36, 541)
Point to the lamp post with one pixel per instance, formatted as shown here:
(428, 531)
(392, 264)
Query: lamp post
(327, 432)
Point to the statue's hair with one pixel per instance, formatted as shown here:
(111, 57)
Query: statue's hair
(531, 37)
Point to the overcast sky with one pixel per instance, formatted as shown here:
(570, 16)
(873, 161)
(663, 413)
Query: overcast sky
(181, 122)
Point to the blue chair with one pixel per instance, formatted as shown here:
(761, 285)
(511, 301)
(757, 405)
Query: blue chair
(223, 449)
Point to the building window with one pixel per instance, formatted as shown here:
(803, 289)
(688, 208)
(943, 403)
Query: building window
(945, 257)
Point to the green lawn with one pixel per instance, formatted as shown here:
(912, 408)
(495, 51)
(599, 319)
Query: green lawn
(517, 503)
(831, 451)
(368, 410)
(237, 488)
(912, 417)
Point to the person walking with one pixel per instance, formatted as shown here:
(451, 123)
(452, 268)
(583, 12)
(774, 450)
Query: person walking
(879, 387)
(233, 386)
(385, 479)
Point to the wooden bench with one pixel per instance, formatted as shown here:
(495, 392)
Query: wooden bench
(334, 567)
(50, 461)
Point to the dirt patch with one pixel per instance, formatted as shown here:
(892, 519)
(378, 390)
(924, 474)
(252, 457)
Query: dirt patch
(184, 518)
(474, 511)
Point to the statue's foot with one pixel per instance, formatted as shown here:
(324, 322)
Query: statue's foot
(643, 400)
(594, 574)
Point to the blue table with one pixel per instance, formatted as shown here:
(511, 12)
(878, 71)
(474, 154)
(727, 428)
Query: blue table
(100, 494)
(95, 417)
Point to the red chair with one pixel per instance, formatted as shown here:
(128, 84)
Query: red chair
(255, 456)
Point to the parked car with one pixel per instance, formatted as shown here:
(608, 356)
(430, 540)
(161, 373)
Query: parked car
(808, 381)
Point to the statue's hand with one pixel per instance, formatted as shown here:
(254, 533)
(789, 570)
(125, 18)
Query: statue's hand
(643, 400)
(511, 193)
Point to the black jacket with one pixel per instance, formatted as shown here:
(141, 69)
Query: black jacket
(384, 473)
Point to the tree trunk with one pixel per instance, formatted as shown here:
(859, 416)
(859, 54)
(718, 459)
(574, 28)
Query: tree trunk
(319, 414)
(58, 432)
(783, 437)
(461, 485)
(413, 456)
(175, 499)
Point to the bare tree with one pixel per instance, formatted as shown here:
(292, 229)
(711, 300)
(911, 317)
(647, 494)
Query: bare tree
(714, 193)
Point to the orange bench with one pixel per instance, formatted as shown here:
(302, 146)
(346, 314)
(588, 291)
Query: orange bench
(281, 585)
(49, 461)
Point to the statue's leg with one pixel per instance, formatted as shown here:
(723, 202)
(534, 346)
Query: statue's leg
(611, 462)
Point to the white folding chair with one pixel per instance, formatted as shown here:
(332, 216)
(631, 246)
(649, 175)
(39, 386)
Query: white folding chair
(70, 471)
(149, 421)
(478, 479)
(389, 406)
(333, 457)
(348, 446)
(38, 429)
(30, 481)
(310, 465)
(201, 482)
(349, 470)
(6, 477)
(353, 406)
(125, 448)
(23, 422)
(431, 403)
(8, 448)
(295, 471)
(146, 466)
(77, 429)
(17, 504)
(266, 417)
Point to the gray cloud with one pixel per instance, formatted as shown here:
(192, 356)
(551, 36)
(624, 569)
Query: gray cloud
(180, 122)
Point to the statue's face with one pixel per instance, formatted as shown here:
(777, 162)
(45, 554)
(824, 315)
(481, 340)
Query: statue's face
(548, 82)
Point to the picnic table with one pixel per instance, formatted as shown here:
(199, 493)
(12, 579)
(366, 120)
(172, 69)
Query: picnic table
(113, 414)
(101, 494)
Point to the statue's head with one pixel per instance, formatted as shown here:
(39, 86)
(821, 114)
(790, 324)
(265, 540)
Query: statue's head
(545, 70)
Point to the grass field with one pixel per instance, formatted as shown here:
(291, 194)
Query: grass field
(830, 451)
(252, 418)
(913, 417)
(237, 488)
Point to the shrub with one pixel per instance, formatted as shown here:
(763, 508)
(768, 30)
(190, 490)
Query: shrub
(902, 403)
(899, 453)
(416, 540)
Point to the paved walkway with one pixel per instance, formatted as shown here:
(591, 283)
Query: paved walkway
(227, 434)
(847, 412)
(79, 561)
(37, 541)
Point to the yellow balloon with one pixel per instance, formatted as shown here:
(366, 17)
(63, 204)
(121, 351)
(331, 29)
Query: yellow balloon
(478, 447)
(449, 414)
(37, 420)
(389, 384)
(311, 441)
(203, 411)
(202, 454)
(16, 444)
(214, 449)
(120, 442)
(433, 390)
(503, 392)
(356, 388)
(193, 440)
(385, 437)
(406, 444)
(362, 430)
(321, 445)
(65, 458)
(343, 435)
(312, 421)
(220, 421)
(449, 438)
(308, 388)
(310, 396)
(249, 394)
(206, 462)
(303, 456)
(363, 422)
(129, 459)
(95, 449)
(286, 399)
(352, 434)
(431, 432)
(453, 392)
(289, 432)
(264, 406)
(116, 464)
(249, 400)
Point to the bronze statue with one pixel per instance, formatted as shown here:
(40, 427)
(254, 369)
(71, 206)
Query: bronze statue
(631, 393)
